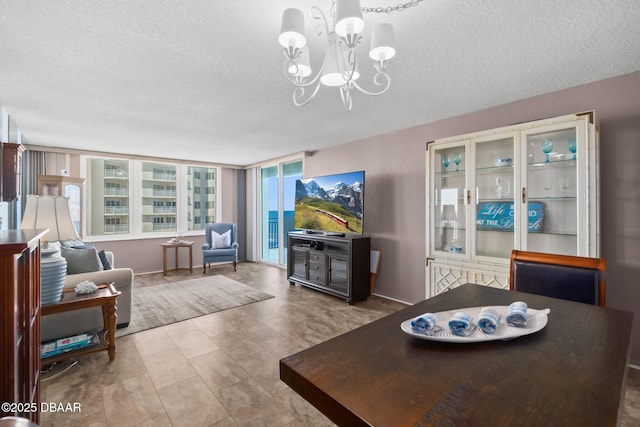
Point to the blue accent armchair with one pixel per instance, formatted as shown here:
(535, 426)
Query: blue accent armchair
(211, 253)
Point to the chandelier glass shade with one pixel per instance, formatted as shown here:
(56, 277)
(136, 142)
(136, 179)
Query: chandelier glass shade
(340, 67)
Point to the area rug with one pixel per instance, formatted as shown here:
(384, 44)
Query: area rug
(166, 303)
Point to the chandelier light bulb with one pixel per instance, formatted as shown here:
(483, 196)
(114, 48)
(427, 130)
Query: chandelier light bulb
(332, 76)
(348, 17)
(303, 63)
(292, 29)
(382, 43)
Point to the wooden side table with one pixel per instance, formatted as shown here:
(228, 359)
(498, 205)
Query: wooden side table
(104, 297)
(176, 245)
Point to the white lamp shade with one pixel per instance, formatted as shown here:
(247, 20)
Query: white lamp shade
(348, 17)
(382, 43)
(331, 76)
(50, 212)
(292, 29)
(337, 70)
(303, 63)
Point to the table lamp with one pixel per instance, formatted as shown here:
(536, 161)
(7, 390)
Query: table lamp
(50, 212)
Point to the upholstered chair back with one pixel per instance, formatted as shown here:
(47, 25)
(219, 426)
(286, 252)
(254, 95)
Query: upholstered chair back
(572, 278)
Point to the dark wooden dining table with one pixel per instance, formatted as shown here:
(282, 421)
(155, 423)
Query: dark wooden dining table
(570, 373)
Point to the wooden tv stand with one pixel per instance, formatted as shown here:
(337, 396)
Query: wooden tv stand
(332, 264)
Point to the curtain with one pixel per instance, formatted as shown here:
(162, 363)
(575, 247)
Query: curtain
(36, 163)
(40, 163)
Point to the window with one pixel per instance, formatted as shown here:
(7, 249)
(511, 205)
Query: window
(202, 178)
(143, 198)
(107, 197)
(278, 186)
(159, 197)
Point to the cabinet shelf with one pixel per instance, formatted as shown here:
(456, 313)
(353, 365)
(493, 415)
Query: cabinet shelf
(551, 164)
(554, 233)
(552, 198)
(495, 170)
(537, 233)
(530, 199)
(452, 174)
(459, 200)
(450, 227)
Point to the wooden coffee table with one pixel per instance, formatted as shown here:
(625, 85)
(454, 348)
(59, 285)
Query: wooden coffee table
(104, 297)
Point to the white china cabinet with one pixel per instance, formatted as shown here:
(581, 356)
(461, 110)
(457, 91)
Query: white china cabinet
(531, 186)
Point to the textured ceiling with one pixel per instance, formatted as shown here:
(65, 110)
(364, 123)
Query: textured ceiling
(202, 80)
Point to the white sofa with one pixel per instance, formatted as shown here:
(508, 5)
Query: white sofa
(90, 319)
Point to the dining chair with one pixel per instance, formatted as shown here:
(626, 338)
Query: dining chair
(567, 277)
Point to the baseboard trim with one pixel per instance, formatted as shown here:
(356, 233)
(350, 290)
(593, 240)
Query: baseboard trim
(392, 299)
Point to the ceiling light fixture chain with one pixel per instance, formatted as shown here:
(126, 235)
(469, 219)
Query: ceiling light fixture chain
(340, 64)
(397, 8)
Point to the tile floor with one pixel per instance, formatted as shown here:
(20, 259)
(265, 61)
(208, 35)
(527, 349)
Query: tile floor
(221, 369)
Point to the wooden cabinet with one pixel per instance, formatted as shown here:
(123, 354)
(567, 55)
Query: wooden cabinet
(20, 322)
(11, 167)
(531, 186)
(336, 265)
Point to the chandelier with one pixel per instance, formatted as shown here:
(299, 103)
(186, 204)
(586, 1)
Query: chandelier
(340, 64)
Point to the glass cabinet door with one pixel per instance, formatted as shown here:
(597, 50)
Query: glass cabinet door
(450, 204)
(552, 156)
(495, 188)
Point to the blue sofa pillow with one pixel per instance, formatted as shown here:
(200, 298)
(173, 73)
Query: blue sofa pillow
(106, 265)
(81, 260)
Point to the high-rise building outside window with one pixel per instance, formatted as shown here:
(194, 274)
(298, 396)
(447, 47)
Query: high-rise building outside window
(201, 177)
(107, 198)
(143, 198)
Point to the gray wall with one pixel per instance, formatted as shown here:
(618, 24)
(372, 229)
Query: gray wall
(395, 185)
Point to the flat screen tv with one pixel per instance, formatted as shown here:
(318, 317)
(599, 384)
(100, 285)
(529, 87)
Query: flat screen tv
(330, 203)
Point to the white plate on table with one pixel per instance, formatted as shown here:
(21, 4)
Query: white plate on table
(537, 320)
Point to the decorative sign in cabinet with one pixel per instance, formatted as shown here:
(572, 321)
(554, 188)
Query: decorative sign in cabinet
(531, 186)
(336, 265)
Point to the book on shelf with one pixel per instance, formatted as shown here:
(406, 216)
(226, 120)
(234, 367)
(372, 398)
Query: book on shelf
(62, 345)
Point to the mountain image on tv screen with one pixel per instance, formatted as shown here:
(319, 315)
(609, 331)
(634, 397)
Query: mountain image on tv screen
(332, 203)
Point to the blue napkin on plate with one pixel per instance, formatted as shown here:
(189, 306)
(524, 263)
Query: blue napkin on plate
(517, 314)
(424, 323)
(488, 320)
(460, 324)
